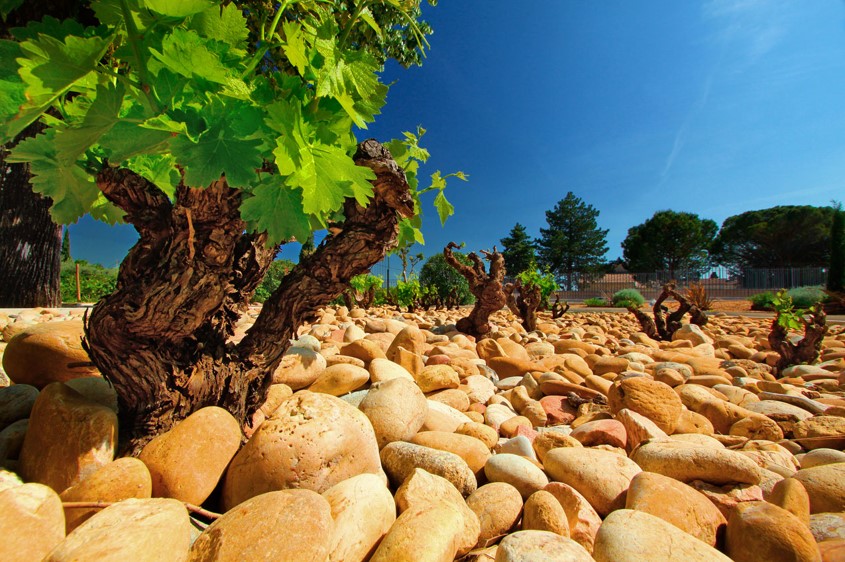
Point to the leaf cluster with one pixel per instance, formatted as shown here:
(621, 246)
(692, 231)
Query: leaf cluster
(364, 282)
(545, 281)
(186, 92)
(789, 317)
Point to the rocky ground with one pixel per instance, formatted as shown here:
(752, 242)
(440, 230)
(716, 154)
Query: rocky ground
(391, 437)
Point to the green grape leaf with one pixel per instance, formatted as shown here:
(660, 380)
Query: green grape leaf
(327, 176)
(368, 18)
(105, 211)
(444, 208)
(159, 169)
(222, 148)
(226, 24)
(188, 54)
(437, 182)
(276, 209)
(72, 190)
(127, 139)
(295, 47)
(177, 8)
(409, 234)
(101, 116)
(11, 86)
(48, 26)
(350, 77)
(7, 6)
(48, 68)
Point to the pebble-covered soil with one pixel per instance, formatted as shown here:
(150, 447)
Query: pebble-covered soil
(389, 436)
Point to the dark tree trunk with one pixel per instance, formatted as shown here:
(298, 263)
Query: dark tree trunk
(162, 338)
(487, 288)
(30, 242)
(661, 327)
(804, 351)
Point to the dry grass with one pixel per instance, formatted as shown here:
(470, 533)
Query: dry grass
(697, 295)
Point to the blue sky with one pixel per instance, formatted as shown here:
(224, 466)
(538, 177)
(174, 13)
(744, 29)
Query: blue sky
(714, 107)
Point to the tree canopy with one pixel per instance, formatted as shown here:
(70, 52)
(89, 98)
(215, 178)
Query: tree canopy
(518, 250)
(671, 241)
(573, 242)
(438, 275)
(783, 236)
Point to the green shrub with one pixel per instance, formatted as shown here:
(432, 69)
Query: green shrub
(444, 279)
(366, 281)
(762, 301)
(272, 279)
(805, 297)
(627, 297)
(801, 297)
(595, 301)
(95, 281)
(407, 292)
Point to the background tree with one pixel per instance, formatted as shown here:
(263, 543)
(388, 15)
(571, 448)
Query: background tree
(573, 242)
(518, 250)
(439, 276)
(217, 156)
(65, 253)
(669, 241)
(784, 236)
(836, 271)
(409, 262)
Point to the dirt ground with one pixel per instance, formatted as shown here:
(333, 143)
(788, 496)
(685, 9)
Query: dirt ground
(728, 305)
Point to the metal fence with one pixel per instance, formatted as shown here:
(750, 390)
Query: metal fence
(720, 282)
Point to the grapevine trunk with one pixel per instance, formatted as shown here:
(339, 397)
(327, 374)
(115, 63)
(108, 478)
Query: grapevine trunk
(164, 338)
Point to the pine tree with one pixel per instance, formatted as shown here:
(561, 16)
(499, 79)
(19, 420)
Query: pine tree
(573, 243)
(518, 251)
(66, 246)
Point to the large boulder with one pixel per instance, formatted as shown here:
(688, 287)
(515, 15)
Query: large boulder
(141, 530)
(627, 535)
(186, 463)
(600, 476)
(48, 352)
(363, 511)
(396, 409)
(69, 438)
(296, 447)
(763, 531)
(119, 480)
(31, 522)
(284, 526)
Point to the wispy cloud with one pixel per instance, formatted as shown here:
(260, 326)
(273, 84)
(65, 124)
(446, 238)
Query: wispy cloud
(683, 131)
(749, 28)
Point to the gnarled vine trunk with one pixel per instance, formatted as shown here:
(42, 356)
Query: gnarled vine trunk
(804, 351)
(162, 338)
(487, 288)
(661, 327)
(525, 301)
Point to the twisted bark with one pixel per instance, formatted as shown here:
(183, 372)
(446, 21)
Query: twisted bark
(662, 327)
(804, 351)
(486, 287)
(524, 302)
(163, 337)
